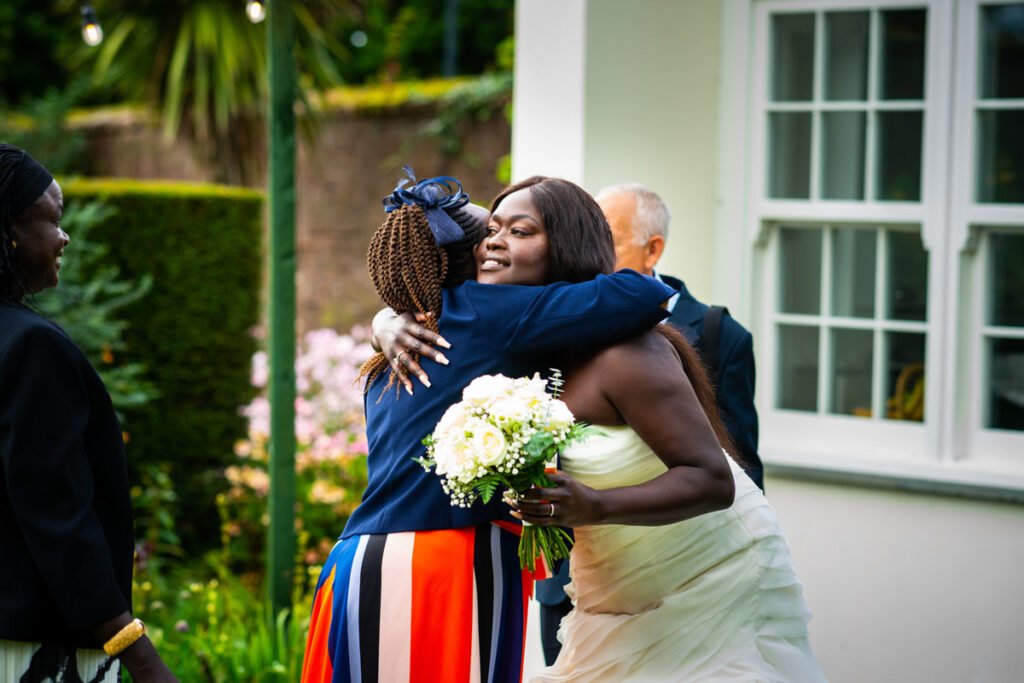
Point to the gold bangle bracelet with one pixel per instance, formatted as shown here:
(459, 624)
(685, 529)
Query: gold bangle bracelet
(124, 638)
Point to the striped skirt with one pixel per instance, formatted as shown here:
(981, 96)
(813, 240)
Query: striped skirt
(444, 606)
(35, 663)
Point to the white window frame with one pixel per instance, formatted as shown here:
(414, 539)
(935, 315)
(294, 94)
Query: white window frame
(950, 447)
(971, 221)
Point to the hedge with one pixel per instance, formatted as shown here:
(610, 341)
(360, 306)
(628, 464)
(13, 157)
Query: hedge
(202, 245)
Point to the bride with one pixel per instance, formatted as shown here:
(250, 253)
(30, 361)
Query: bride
(665, 585)
(680, 571)
(660, 593)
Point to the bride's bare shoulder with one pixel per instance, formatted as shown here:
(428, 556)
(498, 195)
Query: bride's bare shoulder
(647, 347)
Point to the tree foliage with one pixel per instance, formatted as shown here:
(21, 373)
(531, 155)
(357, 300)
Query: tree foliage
(201, 65)
(35, 37)
(406, 39)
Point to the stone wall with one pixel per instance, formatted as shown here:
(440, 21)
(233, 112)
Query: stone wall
(342, 175)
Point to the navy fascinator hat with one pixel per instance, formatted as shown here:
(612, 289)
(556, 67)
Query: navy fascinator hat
(436, 196)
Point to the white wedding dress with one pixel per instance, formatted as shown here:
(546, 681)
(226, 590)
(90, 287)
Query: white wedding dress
(713, 598)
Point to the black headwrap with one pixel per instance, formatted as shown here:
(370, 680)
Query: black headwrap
(28, 184)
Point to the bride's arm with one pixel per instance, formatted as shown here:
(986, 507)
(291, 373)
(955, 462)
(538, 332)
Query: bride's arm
(645, 382)
(532, 319)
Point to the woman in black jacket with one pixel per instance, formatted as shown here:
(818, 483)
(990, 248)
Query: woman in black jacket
(66, 535)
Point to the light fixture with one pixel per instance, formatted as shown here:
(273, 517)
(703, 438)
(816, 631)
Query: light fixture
(256, 10)
(92, 33)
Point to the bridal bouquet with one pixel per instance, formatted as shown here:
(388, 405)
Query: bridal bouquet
(502, 435)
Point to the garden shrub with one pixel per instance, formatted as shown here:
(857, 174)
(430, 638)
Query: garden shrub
(201, 247)
(88, 306)
(211, 625)
(209, 614)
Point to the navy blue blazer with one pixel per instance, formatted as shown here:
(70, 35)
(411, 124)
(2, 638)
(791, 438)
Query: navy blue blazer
(734, 382)
(66, 536)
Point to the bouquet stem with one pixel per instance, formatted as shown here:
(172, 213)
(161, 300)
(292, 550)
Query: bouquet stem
(551, 542)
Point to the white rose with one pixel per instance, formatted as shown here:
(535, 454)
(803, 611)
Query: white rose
(511, 408)
(454, 419)
(451, 453)
(559, 417)
(488, 443)
(533, 388)
(442, 456)
(486, 388)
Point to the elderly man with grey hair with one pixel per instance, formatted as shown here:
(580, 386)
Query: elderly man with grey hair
(639, 220)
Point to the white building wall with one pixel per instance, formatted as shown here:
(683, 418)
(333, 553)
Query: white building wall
(547, 102)
(614, 92)
(904, 586)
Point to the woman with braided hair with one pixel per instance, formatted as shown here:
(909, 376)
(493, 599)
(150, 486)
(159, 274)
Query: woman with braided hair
(415, 283)
(66, 537)
(416, 589)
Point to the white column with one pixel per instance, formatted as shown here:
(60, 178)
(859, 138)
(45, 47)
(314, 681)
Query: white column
(611, 92)
(548, 102)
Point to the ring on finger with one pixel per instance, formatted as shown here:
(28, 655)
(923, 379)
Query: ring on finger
(416, 346)
(551, 509)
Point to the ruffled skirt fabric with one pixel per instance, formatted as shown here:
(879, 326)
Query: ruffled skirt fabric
(714, 598)
(444, 606)
(35, 663)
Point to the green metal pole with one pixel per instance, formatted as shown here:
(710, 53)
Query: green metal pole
(281, 560)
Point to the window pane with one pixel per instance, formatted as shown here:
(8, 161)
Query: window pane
(1006, 384)
(904, 373)
(789, 146)
(842, 162)
(852, 358)
(1001, 156)
(798, 368)
(846, 55)
(853, 273)
(1006, 282)
(907, 298)
(800, 271)
(792, 57)
(1002, 51)
(901, 64)
(899, 156)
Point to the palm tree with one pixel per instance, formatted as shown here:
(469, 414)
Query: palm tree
(201, 66)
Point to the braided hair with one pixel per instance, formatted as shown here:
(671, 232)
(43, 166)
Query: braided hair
(409, 268)
(12, 285)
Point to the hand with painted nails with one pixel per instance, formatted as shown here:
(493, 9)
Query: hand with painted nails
(404, 340)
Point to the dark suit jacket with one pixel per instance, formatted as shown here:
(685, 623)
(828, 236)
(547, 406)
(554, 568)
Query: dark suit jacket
(734, 383)
(734, 386)
(66, 536)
